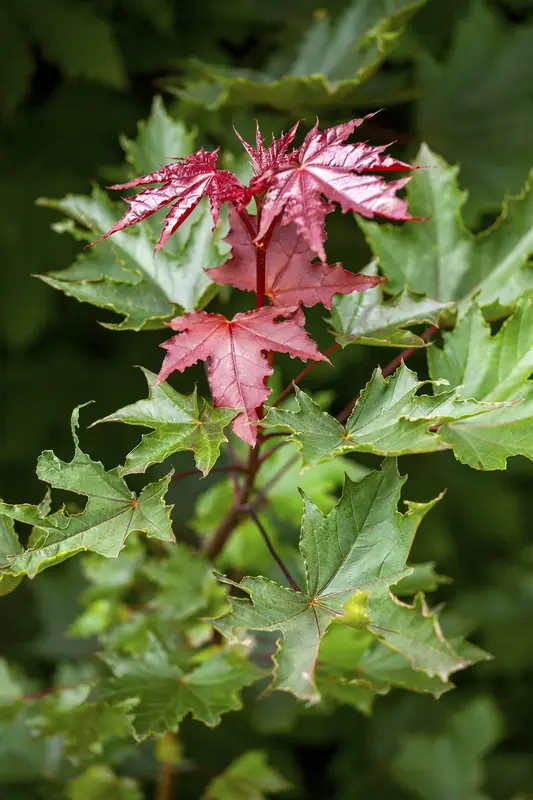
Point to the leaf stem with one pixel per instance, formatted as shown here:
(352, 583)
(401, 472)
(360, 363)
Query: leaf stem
(301, 375)
(250, 510)
(391, 367)
(247, 220)
(215, 544)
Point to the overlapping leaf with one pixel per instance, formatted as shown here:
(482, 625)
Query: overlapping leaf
(490, 369)
(180, 422)
(372, 319)
(123, 274)
(361, 546)
(184, 183)
(166, 692)
(235, 353)
(327, 68)
(344, 174)
(441, 257)
(291, 276)
(112, 512)
(389, 418)
(246, 550)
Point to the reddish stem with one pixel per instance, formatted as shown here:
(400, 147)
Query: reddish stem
(247, 220)
(260, 273)
(391, 367)
(301, 375)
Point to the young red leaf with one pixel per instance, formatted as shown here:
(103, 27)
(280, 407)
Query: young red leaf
(235, 354)
(344, 174)
(184, 183)
(265, 158)
(291, 276)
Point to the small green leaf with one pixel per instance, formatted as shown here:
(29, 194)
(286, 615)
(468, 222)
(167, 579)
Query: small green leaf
(440, 257)
(180, 422)
(112, 512)
(361, 546)
(100, 783)
(389, 418)
(249, 777)
(328, 66)
(369, 318)
(449, 765)
(490, 369)
(166, 693)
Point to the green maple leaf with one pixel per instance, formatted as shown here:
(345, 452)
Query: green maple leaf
(330, 63)
(449, 765)
(441, 258)
(111, 514)
(370, 318)
(389, 418)
(249, 777)
(490, 369)
(166, 693)
(123, 274)
(486, 68)
(180, 422)
(360, 547)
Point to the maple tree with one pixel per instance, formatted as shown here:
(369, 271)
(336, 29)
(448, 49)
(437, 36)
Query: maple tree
(193, 623)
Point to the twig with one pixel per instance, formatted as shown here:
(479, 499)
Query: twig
(301, 375)
(166, 789)
(250, 510)
(391, 367)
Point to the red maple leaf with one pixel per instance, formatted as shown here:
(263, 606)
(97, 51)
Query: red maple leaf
(266, 158)
(291, 276)
(184, 183)
(344, 174)
(235, 353)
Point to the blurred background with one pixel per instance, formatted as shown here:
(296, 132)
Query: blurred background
(75, 75)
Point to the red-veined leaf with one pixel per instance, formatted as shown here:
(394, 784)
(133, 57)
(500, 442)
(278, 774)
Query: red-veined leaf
(344, 174)
(235, 354)
(291, 276)
(272, 157)
(183, 183)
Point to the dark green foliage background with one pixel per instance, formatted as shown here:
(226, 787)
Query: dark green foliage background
(63, 104)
